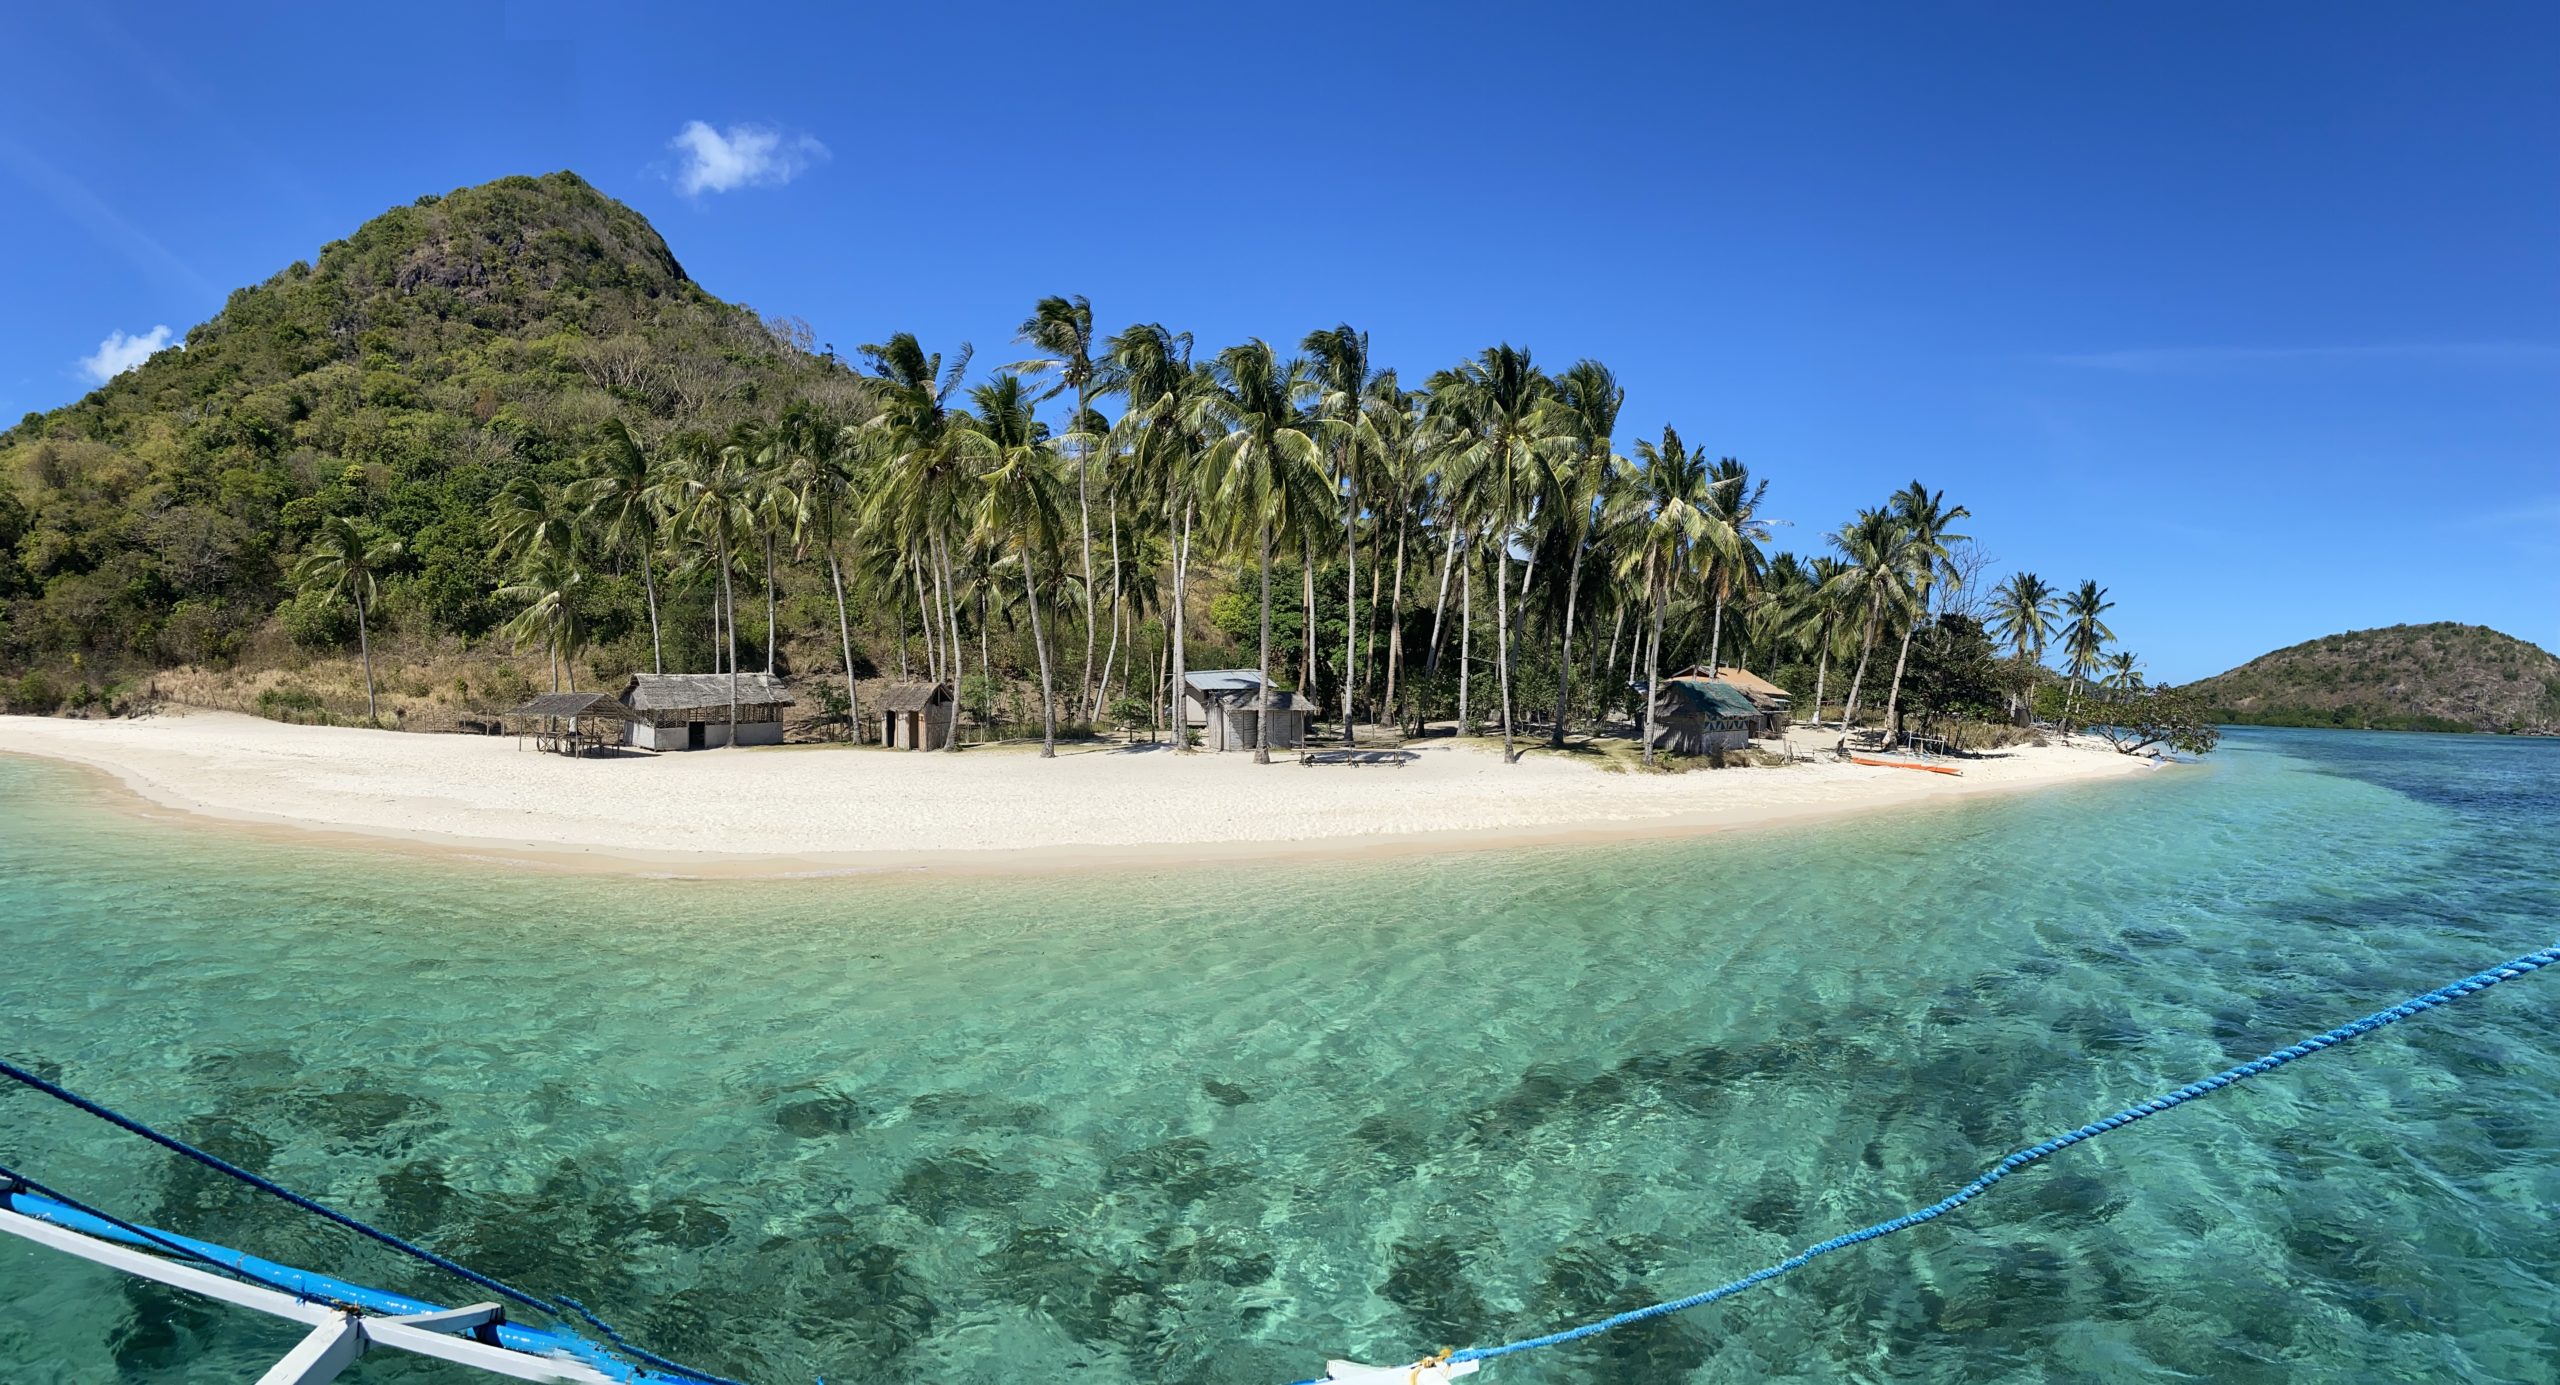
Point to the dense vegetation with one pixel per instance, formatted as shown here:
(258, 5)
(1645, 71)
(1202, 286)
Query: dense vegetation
(505, 418)
(2439, 677)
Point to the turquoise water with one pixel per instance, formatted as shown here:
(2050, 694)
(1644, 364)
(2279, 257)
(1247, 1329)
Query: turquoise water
(1216, 1125)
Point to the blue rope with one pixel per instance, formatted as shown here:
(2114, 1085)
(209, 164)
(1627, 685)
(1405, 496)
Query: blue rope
(2468, 986)
(12, 1181)
(414, 1251)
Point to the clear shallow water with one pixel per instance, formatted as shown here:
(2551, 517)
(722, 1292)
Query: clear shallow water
(1215, 1125)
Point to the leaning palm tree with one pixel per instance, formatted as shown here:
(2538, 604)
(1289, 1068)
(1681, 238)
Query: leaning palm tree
(1583, 475)
(1019, 508)
(619, 501)
(1063, 327)
(548, 585)
(1925, 516)
(1269, 473)
(342, 557)
(2084, 638)
(1667, 510)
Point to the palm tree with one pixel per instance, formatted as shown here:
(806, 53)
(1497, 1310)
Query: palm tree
(1876, 578)
(1735, 561)
(342, 557)
(1019, 509)
(712, 499)
(527, 517)
(2124, 671)
(1502, 436)
(821, 479)
(2084, 637)
(1829, 611)
(548, 583)
(1583, 475)
(1667, 508)
(1924, 517)
(1159, 442)
(2022, 611)
(620, 502)
(924, 486)
(1063, 327)
(1341, 377)
(1269, 470)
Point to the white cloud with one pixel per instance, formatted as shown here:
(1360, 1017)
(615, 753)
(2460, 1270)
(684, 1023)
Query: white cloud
(120, 353)
(742, 156)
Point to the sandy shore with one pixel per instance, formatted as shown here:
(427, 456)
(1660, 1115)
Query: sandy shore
(787, 810)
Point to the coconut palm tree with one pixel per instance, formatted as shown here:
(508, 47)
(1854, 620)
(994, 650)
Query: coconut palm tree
(618, 501)
(1877, 581)
(1019, 508)
(1924, 516)
(1667, 508)
(1063, 328)
(1502, 435)
(1159, 441)
(2124, 671)
(820, 481)
(711, 498)
(1582, 477)
(1734, 562)
(2022, 611)
(1340, 377)
(2084, 637)
(1269, 472)
(527, 517)
(548, 584)
(924, 487)
(343, 557)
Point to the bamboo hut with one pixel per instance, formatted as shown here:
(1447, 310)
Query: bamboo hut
(571, 723)
(915, 716)
(1775, 703)
(690, 711)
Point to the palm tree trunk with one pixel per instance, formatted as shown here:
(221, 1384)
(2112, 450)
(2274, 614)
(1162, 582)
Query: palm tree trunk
(1821, 669)
(1084, 524)
(730, 599)
(1893, 698)
(1395, 628)
(772, 629)
(1102, 690)
(1307, 657)
(1040, 643)
(1466, 640)
(1564, 646)
(925, 621)
(1262, 716)
(1617, 625)
(364, 645)
(1715, 636)
(844, 632)
(1502, 645)
(1866, 645)
(949, 581)
(1653, 666)
(1350, 598)
(649, 585)
(1181, 648)
(1448, 559)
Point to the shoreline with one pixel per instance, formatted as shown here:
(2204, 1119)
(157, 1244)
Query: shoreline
(318, 786)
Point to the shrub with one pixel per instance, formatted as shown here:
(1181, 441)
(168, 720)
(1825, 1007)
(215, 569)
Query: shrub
(285, 702)
(32, 694)
(317, 621)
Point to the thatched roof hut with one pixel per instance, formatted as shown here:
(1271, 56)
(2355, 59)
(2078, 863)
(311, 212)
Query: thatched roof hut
(914, 715)
(911, 697)
(573, 723)
(691, 711)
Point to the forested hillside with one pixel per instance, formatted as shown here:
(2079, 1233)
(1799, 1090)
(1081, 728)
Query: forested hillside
(2439, 677)
(403, 378)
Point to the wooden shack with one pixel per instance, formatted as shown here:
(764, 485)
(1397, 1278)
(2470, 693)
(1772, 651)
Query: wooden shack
(1225, 706)
(915, 715)
(691, 711)
(1775, 704)
(1700, 716)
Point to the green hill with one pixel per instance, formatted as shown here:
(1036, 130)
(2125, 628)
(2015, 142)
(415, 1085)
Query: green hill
(404, 376)
(2440, 677)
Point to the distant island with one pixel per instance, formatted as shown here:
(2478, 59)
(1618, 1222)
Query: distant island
(2439, 677)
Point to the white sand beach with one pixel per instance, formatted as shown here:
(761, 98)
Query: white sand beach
(791, 809)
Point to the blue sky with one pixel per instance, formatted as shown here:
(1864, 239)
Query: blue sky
(2252, 313)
